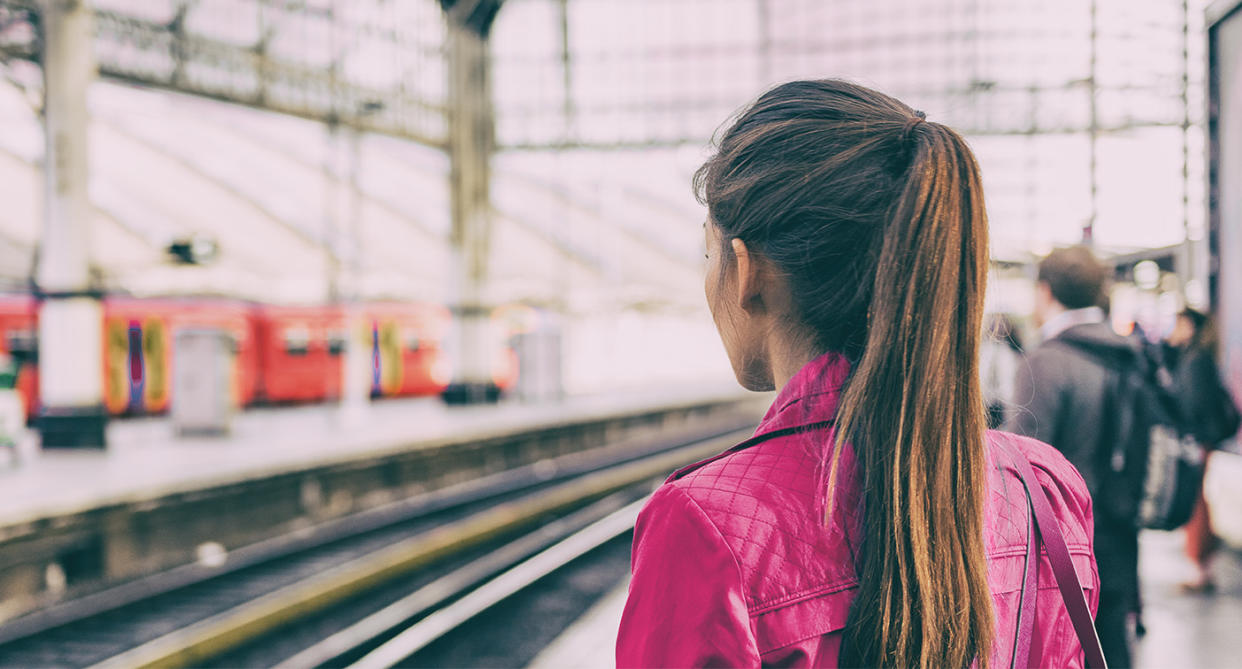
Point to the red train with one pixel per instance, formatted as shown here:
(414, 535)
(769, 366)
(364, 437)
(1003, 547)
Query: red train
(282, 354)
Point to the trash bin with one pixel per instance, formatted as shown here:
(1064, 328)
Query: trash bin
(202, 392)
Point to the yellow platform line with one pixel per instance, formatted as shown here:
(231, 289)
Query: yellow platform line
(230, 629)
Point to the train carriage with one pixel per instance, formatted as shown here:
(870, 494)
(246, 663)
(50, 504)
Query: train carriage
(19, 336)
(139, 336)
(301, 353)
(408, 355)
(282, 354)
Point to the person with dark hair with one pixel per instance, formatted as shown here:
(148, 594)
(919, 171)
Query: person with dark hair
(1210, 410)
(1062, 396)
(872, 520)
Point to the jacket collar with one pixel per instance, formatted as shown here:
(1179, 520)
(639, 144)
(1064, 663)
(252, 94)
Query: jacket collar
(809, 400)
(811, 396)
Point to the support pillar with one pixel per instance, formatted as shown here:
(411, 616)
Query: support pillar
(357, 363)
(471, 143)
(70, 314)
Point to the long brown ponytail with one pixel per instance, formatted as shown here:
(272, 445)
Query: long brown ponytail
(877, 219)
(913, 410)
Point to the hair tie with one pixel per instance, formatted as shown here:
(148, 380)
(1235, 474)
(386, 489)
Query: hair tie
(911, 122)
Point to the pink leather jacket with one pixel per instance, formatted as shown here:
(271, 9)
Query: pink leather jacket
(734, 566)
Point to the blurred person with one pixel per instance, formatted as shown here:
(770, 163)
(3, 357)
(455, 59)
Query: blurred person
(1211, 411)
(868, 522)
(999, 358)
(1062, 393)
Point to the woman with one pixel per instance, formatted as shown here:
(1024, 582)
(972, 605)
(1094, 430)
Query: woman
(867, 523)
(1210, 408)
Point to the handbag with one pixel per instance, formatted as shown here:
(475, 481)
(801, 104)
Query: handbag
(1043, 529)
(1154, 467)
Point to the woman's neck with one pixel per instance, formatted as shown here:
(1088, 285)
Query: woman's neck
(788, 355)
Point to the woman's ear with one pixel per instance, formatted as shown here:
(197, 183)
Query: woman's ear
(749, 278)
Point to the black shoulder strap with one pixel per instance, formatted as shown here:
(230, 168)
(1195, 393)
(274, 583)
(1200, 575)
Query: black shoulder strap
(1111, 362)
(1117, 411)
(757, 439)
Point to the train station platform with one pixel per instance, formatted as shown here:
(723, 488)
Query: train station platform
(1187, 630)
(1183, 630)
(146, 460)
(152, 500)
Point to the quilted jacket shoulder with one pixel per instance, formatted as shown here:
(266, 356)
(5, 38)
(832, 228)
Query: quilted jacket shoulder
(768, 502)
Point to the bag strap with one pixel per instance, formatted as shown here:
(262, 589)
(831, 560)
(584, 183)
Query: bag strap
(1048, 532)
(1030, 593)
(757, 439)
(1118, 396)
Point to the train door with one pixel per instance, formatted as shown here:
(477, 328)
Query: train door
(387, 357)
(136, 365)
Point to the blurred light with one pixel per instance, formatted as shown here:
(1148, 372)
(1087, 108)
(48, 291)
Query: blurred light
(1196, 294)
(203, 249)
(54, 578)
(1147, 275)
(517, 318)
(211, 554)
(1167, 306)
(441, 371)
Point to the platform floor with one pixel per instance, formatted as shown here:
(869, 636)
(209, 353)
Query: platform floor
(1183, 631)
(590, 643)
(1191, 631)
(145, 460)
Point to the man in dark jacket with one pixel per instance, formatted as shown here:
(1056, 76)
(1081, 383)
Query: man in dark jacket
(1062, 399)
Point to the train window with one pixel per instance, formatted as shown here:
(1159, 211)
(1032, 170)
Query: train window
(297, 341)
(336, 343)
(21, 341)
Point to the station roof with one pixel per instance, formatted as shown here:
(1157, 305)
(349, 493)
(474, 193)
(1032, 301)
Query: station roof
(570, 229)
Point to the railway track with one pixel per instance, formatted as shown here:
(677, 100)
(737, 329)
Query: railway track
(487, 611)
(351, 589)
